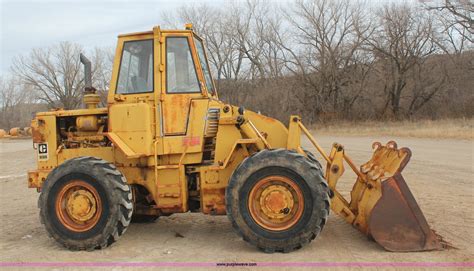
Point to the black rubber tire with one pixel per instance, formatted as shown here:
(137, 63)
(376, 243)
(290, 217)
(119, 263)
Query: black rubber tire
(313, 159)
(139, 218)
(306, 174)
(115, 195)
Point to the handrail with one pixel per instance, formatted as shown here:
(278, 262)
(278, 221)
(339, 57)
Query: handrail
(265, 142)
(315, 143)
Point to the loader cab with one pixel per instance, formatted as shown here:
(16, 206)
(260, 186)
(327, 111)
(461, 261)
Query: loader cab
(160, 62)
(160, 83)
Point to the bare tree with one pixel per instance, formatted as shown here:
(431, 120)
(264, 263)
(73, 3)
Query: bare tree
(459, 16)
(56, 74)
(321, 59)
(11, 96)
(239, 37)
(216, 26)
(428, 78)
(327, 52)
(102, 59)
(403, 39)
(454, 24)
(324, 58)
(251, 26)
(242, 48)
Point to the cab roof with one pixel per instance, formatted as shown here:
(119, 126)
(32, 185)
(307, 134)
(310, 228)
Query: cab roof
(188, 29)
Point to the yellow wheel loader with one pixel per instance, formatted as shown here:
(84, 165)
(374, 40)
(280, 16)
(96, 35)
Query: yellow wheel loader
(166, 144)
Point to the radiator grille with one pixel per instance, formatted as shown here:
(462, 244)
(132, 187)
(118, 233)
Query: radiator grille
(212, 124)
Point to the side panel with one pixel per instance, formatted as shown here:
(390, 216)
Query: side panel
(214, 182)
(192, 141)
(171, 190)
(176, 113)
(45, 139)
(275, 132)
(132, 123)
(46, 126)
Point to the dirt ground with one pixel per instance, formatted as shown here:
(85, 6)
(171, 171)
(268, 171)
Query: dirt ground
(440, 176)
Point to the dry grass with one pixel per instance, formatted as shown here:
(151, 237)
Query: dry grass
(446, 128)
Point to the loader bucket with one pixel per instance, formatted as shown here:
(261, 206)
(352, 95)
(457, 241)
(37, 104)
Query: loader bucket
(381, 204)
(384, 206)
(396, 221)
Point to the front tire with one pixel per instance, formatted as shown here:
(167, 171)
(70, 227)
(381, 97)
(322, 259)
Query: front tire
(277, 200)
(85, 204)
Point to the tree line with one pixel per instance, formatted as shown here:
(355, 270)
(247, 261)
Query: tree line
(322, 59)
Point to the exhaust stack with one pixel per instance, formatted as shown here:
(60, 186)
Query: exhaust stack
(91, 99)
(87, 74)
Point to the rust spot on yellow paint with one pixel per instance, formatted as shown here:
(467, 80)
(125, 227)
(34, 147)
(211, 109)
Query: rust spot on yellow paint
(214, 201)
(176, 110)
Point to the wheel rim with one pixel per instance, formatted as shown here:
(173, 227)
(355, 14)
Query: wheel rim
(78, 206)
(276, 203)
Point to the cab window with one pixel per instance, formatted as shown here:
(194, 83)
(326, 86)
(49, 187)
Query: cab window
(204, 65)
(136, 67)
(181, 74)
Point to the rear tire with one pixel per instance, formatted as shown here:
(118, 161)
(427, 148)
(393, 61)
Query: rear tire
(273, 179)
(85, 204)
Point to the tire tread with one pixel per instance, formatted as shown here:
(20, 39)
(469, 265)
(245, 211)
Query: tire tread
(320, 185)
(121, 194)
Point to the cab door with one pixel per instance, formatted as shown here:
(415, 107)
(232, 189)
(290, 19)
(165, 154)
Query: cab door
(182, 83)
(131, 99)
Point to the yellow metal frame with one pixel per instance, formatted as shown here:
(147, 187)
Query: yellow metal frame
(367, 190)
(161, 141)
(234, 147)
(334, 168)
(144, 151)
(151, 155)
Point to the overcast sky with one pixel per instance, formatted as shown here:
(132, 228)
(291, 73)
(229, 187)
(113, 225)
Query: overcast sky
(28, 24)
